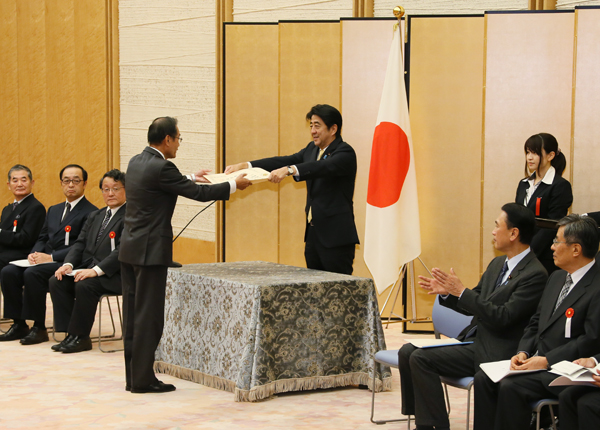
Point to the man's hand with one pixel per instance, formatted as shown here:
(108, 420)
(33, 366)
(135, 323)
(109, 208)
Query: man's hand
(596, 380)
(39, 257)
(532, 363)
(85, 273)
(517, 360)
(586, 362)
(235, 167)
(448, 281)
(241, 182)
(63, 270)
(276, 176)
(200, 175)
(432, 286)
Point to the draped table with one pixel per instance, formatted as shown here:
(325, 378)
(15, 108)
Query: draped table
(257, 328)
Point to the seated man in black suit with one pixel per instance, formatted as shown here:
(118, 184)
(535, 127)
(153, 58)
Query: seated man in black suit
(21, 220)
(580, 405)
(96, 257)
(25, 289)
(566, 326)
(502, 303)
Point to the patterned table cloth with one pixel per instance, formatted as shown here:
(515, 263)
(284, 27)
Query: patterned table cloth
(257, 328)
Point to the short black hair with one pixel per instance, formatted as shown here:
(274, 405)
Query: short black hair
(84, 173)
(329, 115)
(116, 175)
(518, 216)
(18, 167)
(160, 128)
(582, 230)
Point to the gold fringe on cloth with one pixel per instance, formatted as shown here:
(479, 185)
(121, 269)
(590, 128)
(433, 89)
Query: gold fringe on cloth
(310, 383)
(194, 376)
(267, 390)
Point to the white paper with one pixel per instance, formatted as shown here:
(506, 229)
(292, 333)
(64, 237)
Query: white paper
(74, 272)
(497, 370)
(572, 374)
(26, 263)
(254, 174)
(428, 342)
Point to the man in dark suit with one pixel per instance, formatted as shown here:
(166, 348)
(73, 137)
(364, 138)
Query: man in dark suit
(566, 326)
(153, 184)
(502, 303)
(95, 255)
(328, 165)
(580, 405)
(25, 289)
(21, 220)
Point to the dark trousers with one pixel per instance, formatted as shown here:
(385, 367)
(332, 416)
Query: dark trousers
(515, 395)
(579, 408)
(420, 370)
(75, 304)
(338, 259)
(25, 291)
(144, 314)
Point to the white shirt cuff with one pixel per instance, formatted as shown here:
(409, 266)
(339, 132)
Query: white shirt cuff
(98, 270)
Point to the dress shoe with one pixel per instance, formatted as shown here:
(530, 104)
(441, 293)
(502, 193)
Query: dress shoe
(157, 387)
(15, 332)
(59, 346)
(36, 335)
(78, 344)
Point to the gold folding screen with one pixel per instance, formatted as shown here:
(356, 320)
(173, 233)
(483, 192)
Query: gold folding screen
(479, 86)
(57, 90)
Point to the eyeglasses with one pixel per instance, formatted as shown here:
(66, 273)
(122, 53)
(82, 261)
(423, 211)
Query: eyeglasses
(555, 241)
(115, 190)
(76, 181)
(178, 137)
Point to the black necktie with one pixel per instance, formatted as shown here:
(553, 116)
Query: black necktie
(15, 204)
(501, 275)
(67, 211)
(104, 224)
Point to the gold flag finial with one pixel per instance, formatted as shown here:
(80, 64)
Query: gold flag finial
(398, 12)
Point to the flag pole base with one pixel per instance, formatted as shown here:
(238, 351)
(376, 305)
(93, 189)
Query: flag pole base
(398, 287)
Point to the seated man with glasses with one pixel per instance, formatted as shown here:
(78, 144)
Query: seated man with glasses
(566, 326)
(25, 288)
(95, 256)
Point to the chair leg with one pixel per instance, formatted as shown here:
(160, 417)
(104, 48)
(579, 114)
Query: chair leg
(111, 337)
(468, 407)
(447, 399)
(552, 417)
(379, 422)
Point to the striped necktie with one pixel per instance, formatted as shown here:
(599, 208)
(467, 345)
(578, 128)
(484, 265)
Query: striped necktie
(564, 292)
(309, 216)
(104, 224)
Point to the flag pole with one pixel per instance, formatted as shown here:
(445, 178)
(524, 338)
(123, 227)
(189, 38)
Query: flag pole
(408, 268)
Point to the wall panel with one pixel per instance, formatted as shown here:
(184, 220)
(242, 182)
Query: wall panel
(309, 74)
(446, 79)
(55, 95)
(251, 132)
(529, 78)
(586, 120)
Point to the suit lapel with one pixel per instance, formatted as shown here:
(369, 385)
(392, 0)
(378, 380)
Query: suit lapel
(109, 227)
(514, 274)
(73, 212)
(96, 228)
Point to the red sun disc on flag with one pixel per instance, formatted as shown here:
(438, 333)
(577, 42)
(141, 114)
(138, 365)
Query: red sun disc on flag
(390, 160)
